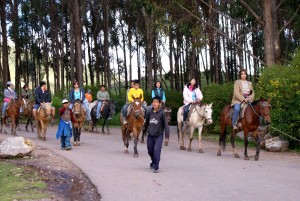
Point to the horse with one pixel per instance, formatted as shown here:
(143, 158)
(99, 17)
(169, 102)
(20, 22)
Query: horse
(135, 124)
(198, 115)
(250, 122)
(168, 113)
(13, 111)
(108, 110)
(27, 112)
(80, 114)
(44, 116)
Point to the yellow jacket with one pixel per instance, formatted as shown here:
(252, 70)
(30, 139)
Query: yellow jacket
(136, 93)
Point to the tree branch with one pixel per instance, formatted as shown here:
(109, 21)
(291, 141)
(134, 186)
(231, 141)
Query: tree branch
(221, 33)
(288, 22)
(258, 19)
(278, 6)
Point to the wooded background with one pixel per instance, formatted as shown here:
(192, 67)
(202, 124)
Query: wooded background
(84, 39)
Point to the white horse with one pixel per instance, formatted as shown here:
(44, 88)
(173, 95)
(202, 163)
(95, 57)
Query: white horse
(196, 120)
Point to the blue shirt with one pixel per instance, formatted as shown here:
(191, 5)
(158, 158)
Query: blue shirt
(194, 97)
(77, 95)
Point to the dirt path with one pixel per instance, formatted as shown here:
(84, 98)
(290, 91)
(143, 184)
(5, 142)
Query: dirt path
(183, 175)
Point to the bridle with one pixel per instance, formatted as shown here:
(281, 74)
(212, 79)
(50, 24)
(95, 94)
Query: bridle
(204, 114)
(263, 105)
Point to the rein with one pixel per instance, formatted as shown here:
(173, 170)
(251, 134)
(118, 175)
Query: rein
(202, 115)
(264, 104)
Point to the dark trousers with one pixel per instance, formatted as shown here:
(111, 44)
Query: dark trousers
(186, 109)
(154, 144)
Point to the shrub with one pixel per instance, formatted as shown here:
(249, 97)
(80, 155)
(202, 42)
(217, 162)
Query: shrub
(281, 83)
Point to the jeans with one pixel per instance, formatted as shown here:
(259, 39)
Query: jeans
(124, 110)
(65, 141)
(5, 104)
(186, 110)
(36, 106)
(154, 144)
(98, 108)
(236, 111)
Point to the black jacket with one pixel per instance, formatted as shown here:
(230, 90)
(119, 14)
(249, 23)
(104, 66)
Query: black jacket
(41, 96)
(156, 123)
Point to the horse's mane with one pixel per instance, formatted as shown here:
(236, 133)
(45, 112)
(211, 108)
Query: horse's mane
(257, 101)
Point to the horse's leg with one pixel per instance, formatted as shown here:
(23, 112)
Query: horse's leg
(232, 139)
(108, 133)
(2, 122)
(191, 138)
(78, 137)
(143, 134)
(181, 136)
(125, 139)
(135, 139)
(257, 141)
(246, 144)
(75, 136)
(30, 118)
(104, 121)
(13, 125)
(200, 139)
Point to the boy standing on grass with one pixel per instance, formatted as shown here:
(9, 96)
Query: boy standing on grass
(64, 131)
(156, 124)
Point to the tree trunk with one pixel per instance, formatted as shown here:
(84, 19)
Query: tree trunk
(78, 43)
(5, 73)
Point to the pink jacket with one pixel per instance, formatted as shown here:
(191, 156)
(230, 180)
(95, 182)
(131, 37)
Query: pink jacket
(188, 95)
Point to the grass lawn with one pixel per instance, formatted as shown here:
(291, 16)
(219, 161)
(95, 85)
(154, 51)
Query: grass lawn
(20, 183)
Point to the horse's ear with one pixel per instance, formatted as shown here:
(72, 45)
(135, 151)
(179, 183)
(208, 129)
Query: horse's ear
(51, 103)
(210, 105)
(132, 97)
(141, 96)
(269, 100)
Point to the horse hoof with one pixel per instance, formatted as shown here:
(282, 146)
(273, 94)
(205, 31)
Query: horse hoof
(78, 143)
(136, 155)
(126, 152)
(236, 156)
(218, 153)
(201, 151)
(256, 158)
(75, 144)
(166, 144)
(182, 148)
(189, 149)
(246, 158)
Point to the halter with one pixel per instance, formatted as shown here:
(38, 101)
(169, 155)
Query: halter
(81, 106)
(264, 104)
(203, 115)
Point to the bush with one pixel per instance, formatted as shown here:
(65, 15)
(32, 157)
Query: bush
(281, 83)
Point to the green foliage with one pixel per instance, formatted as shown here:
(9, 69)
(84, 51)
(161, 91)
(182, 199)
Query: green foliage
(16, 183)
(220, 96)
(281, 83)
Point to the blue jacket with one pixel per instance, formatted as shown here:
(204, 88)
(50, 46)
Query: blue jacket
(64, 129)
(72, 95)
(160, 93)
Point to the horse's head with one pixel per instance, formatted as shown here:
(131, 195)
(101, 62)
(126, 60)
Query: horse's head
(265, 108)
(168, 113)
(208, 113)
(112, 108)
(19, 102)
(77, 107)
(47, 107)
(137, 108)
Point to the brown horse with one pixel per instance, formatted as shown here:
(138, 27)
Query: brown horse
(27, 112)
(80, 114)
(250, 122)
(12, 111)
(135, 124)
(44, 116)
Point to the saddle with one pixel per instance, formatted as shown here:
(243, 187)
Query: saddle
(130, 108)
(1, 106)
(242, 111)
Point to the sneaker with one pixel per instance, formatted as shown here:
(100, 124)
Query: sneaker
(109, 118)
(151, 166)
(155, 171)
(63, 148)
(234, 127)
(68, 148)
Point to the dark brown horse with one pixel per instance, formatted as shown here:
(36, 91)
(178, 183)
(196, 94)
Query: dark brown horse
(80, 114)
(27, 112)
(250, 122)
(168, 113)
(135, 124)
(12, 111)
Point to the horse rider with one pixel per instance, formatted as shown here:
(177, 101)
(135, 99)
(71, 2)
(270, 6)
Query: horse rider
(241, 94)
(9, 93)
(77, 93)
(131, 86)
(135, 92)
(158, 91)
(89, 96)
(26, 95)
(102, 96)
(191, 95)
(42, 95)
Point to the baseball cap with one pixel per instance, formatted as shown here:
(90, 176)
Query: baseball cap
(64, 101)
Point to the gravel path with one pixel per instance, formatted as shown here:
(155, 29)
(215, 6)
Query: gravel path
(183, 175)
